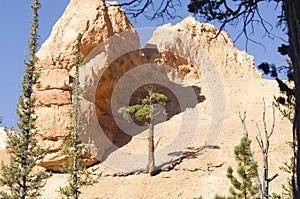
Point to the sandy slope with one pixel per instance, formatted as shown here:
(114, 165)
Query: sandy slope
(197, 174)
(201, 175)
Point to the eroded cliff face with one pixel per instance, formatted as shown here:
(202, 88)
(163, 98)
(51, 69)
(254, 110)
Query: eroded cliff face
(186, 52)
(97, 22)
(229, 61)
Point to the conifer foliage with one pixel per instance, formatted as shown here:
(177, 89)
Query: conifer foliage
(78, 174)
(18, 175)
(146, 112)
(243, 186)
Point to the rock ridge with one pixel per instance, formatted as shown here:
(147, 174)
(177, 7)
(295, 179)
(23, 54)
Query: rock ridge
(100, 23)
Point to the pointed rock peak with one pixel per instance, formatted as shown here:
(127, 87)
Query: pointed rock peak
(189, 35)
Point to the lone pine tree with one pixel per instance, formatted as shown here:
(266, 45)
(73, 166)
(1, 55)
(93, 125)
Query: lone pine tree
(248, 14)
(78, 174)
(146, 112)
(18, 175)
(243, 186)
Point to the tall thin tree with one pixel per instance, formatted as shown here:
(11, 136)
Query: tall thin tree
(22, 147)
(78, 174)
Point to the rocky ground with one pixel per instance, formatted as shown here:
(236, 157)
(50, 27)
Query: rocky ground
(202, 175)
(226, 82)
(198, 174)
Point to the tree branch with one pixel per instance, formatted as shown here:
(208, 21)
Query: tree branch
(151, 9)
(246, 13)
(272, 178)
(243, 120)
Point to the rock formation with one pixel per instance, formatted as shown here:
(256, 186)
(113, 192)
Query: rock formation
(207, 81)
(184, 61)
(97, 22)
(229, 60)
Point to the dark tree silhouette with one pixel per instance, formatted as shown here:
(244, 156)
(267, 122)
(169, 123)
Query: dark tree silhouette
(151, 9)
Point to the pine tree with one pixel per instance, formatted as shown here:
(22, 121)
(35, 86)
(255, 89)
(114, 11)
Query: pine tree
(18, 175)
(289, 168)
(79, 176)
(285, 102)
(243, 187)
(146, 112)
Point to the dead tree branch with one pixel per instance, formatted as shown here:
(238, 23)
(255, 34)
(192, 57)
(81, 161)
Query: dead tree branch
(243, 120)
(151, 9)
(245, 15)
(264, 145)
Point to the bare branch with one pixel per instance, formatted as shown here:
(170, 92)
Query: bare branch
(273, 177)
(264, 117)
(151, 9)
(246, 13)
(264, 145)
(243, 120)
(259, 139)
(259, 142)
(157, 143)
(273, 123)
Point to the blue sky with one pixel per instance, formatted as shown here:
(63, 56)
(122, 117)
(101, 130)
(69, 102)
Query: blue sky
(15, 17)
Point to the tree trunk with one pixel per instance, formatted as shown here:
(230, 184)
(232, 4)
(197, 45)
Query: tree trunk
(22, 191)
(151, 148)
(266, 177)
(265, 153)
(24, 166)
(292, 14)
